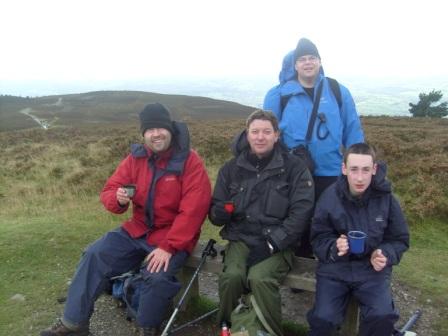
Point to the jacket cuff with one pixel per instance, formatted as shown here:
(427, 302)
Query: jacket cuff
(385, 249)
(276, 238)
(333, 254)
(117, 208)
(166, 247)
(273, 248)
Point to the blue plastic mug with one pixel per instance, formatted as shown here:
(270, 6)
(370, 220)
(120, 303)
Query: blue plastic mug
(356, 241)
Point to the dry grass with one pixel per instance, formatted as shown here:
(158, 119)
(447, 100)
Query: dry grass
(78, 160)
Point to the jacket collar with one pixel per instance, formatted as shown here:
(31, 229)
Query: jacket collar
(276, 161)
(293, 86)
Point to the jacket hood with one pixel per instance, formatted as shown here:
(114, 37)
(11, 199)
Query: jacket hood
(239, 143)
(288, 71)
(180, 145)
(379, 181)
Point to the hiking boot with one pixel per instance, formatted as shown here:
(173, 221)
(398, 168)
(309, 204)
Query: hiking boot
(59, 329)
(150, 332)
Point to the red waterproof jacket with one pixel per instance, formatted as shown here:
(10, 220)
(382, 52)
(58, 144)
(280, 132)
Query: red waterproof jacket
(172, 196)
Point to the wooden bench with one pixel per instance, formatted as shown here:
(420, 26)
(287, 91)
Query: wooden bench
(302, 276)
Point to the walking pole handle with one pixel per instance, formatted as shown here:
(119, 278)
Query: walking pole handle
(209, 249)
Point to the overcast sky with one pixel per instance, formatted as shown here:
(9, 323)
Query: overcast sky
(123, 40)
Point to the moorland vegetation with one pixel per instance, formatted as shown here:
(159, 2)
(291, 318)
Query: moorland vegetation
(50, 180)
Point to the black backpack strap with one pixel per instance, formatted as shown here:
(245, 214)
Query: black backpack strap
(283, 102)
(309, 132)
(335, 88)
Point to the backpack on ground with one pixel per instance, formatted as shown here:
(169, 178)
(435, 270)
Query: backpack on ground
(126, 290)
(248, 320)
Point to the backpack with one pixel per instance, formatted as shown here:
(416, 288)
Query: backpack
(335, 88)
(126, 290)
(248, 320)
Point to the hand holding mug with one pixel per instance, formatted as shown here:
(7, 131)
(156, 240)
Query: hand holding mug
(122, 197)
(223, 212)
(342, 245)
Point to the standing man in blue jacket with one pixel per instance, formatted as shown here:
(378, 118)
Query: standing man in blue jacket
(361, 200)
(336, 126)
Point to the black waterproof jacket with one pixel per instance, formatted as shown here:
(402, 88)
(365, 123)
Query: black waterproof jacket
(272, 204)
(377, 213)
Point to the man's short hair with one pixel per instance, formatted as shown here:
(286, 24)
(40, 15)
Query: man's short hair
(360, 148)
(263, 115)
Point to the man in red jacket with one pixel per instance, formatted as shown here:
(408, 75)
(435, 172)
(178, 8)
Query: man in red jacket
(171, 200)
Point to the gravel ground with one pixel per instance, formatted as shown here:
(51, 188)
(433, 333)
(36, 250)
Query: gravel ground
(110, 320)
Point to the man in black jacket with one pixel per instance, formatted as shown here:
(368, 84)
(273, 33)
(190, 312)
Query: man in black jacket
(263, 198)
(361, 200)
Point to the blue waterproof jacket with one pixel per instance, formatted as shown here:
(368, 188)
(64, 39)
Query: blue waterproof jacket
(341, 127)
(377, 213)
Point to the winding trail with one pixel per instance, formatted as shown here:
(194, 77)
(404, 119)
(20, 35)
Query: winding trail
(41, 122)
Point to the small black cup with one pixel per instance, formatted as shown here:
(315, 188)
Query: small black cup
(130, 189)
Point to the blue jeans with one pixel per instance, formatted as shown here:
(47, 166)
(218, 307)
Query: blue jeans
(378, 314)
(111, 255)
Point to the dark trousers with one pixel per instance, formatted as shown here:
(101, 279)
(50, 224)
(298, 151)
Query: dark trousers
(113, 254)
(320, 184)
(378, 314)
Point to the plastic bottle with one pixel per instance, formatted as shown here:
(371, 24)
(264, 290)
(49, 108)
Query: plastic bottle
(225, 330)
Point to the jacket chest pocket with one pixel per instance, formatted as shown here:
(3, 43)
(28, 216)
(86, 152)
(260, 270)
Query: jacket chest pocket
(236, 195)
(277, 201)
(377, 226)
(168, 191)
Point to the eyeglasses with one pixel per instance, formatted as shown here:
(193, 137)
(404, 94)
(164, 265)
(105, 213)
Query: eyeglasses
(305, 59)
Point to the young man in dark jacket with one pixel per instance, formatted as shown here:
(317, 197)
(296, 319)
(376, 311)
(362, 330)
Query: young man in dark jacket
(361, 200)
(170, 203)
(263, 199)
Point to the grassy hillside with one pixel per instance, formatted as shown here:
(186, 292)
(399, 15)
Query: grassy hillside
(416, 151)
(50, 180)
(108, 107)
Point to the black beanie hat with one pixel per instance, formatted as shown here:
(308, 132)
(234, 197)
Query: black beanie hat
(306, 47)
(155, 116)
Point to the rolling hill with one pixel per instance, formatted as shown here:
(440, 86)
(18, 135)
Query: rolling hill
(108, 107)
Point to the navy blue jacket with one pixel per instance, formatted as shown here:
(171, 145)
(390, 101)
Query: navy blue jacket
(377, 212)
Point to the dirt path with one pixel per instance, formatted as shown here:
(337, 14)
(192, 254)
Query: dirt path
(41, 122)
(109, 320)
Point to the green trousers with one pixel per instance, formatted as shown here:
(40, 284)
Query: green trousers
(262, 279)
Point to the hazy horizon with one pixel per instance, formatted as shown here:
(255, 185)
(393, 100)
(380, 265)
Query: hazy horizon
(373, 96)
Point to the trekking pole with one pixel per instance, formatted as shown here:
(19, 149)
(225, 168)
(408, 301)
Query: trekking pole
(408, 325)
(200, 318)
(208, 250)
